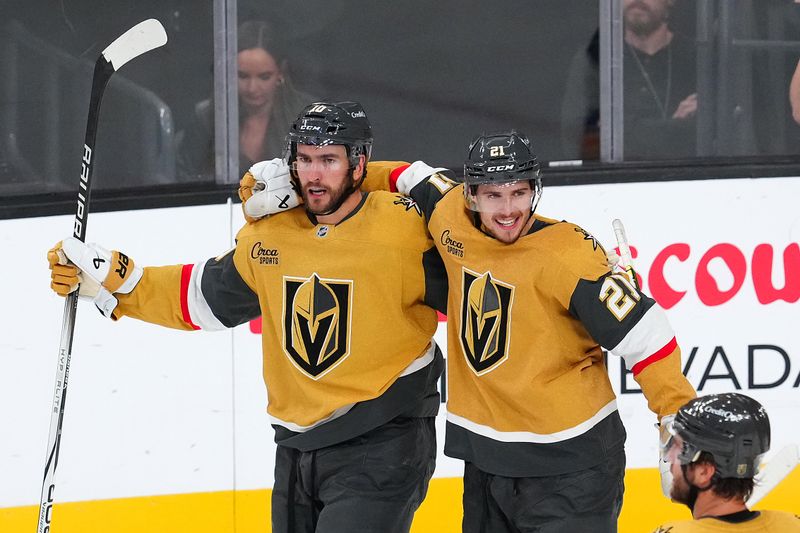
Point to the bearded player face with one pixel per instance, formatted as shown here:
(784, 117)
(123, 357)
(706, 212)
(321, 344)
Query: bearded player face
(325, 177)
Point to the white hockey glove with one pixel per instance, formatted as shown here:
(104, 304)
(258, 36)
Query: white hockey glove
(414, 174)
(267, 189)
(664, 464)
(613, 259)
(99, 272)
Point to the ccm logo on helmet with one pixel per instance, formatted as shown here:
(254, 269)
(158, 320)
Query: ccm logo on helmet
(499, 168)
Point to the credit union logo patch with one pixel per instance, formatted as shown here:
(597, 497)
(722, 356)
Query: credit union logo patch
(485, 320)
(316, 322)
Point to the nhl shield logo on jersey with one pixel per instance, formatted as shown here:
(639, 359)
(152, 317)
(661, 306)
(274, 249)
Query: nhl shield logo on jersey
(316, 322)
(485, 319)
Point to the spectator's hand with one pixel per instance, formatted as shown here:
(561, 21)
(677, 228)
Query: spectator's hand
(687, 108)
(267, 189)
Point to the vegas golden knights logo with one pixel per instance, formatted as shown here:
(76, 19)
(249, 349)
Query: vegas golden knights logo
(485, 318)
(316, 322)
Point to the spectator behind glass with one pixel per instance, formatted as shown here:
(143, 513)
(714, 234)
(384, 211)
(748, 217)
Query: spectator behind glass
(268, 103)
(659, 78)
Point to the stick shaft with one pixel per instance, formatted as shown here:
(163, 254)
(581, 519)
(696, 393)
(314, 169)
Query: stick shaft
(102, 74)
(141, 38)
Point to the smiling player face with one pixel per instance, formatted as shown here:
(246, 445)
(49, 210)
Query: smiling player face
(505, 209)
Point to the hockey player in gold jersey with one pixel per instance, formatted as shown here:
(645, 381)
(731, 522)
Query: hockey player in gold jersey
(710, 455)
(352, 402)
(531, 302)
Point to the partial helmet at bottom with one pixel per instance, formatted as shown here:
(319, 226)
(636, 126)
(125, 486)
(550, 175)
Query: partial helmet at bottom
(732, 427)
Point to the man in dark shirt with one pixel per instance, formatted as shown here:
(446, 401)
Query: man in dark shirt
(660, 84)
(660, 100)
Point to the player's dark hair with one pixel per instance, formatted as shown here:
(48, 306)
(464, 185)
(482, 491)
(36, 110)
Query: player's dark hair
(728, 487)
(260, 34)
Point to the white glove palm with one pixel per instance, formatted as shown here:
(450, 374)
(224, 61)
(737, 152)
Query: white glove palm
(267, 189)
(100, 273)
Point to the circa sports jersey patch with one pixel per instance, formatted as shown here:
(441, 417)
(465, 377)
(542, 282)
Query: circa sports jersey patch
(484, 331)
(265, 255)
(453, 246)
(408, 203)
(316, 322)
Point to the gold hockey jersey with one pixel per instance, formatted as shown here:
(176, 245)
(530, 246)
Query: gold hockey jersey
(528, 388)
(765, 522)
(346, 323)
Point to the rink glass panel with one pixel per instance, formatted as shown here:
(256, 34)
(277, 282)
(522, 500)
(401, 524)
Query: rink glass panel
(430, 75)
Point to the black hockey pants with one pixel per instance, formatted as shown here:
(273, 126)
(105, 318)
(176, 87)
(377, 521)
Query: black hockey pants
(372, 483)
(588, 501)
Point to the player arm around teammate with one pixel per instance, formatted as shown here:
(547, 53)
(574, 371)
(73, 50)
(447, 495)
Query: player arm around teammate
(353, 404)
(531, 301)
(616, 313)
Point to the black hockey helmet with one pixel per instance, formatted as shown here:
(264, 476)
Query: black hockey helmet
(501, 158)
(732, 427)
(326, 123)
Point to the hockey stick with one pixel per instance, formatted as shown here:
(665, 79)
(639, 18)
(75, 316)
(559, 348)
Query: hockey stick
(624, 250)
(141, 38)
(773, 471)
